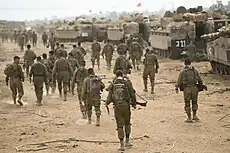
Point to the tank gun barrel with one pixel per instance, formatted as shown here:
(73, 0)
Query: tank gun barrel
(211, 37)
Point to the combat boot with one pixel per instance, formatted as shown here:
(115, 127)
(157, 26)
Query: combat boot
(188, 120)
(65, 96)
(195, 116)
(145, 89)
(127, 143)
(152, 91)
(15, 101)
(122, 147)
(20, 102)
(98, 121)
(89, 120)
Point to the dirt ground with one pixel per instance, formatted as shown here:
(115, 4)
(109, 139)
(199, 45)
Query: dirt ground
(159, 128)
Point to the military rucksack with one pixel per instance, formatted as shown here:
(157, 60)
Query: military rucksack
(122, 63)
(46, 62)
(95, 86)
(119, 91)
(149, 60)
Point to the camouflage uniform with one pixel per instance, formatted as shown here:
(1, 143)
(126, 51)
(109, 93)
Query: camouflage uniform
(21, 41)
(96, 48)
(188, 79)
(61, 51)
(122, 49)
(108, 52)
(34, 39)
(53, 59)
(74, 64)
(15, 74)
(151, 66)
(78, 77)
(121, 63)
(77, 54)
(29, 58)
(52, 42)
(92, 98)
(49, 66)
(44, 39)
(39, 73)
(62, 71)
(122, 94)
(135, 53)
(56, 50)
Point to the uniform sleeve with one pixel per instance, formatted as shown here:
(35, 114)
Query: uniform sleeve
(25, 55)
(54, 69)
(84, 90)
(112, 49)
(74, 79)
(132, 93)
(77, 65)
(103, 51)
(31, 71)
(179, 80)
(102, 85)
(45, 73)
(198, 77)
(99, 47)
(115, 66)
(21, 73)
(109, 97)
(156, 62)
(70, 69)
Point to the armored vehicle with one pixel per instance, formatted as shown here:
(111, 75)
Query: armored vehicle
(67, 34)
(115, 34)
(218, 51)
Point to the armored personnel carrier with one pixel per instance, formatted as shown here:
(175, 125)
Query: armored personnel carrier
(218, 51)
(67, 34)
(115, 34)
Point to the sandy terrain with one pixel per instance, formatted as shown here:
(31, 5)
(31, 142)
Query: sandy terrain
(161, 125)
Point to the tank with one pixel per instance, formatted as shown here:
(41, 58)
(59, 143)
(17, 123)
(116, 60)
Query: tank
(67, 34)
(218, 51)
(171, 39)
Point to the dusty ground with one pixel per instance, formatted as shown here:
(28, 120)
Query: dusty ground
(162, 122)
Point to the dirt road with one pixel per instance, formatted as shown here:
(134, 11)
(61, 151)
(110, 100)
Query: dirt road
(161, 125)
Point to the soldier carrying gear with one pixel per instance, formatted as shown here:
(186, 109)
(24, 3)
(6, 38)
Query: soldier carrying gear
(151, 67)
(187, 81)
(44, 38)
(61, 51)
(96, 48)
(52, 58)
(15, 74)
(108, 52)
(49, 66)
(91, 90)
(52, 41)
(122, 95)
(122, 49)
(74, 64)
(82, 50)
(56, 48)
(77, 54)
(135, 53)
(34, 38)
(78, 77)
(40, 75)
(121, 63)
(62, 71)
(29, 58)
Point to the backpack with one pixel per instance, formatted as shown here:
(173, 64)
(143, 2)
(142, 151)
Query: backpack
(122, 63)
(149, 60)
(95, 86)
(119, 91)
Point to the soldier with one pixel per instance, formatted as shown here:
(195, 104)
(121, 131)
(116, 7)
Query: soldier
(122, 49)
(130, 40)
(74, 64)
(96, 48)
(26, 37)
(39, 73)
(108, 52)
(52, 58)
(34, 38)
(76, 54)
(91, 88)
(78, 77)
(121, 63)
(187, 81)
(82, 50)
(61, 51)
(57, 48)
(44, 38)
(49, 66)
(52, 41)
(21, 41)
(190, 51)
(135, 53)
(151, 67)
(15, 36)
(122, 94)
(29, 58)
(15, 74)
(62, 71)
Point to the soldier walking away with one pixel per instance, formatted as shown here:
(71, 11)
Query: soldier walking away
(136, 53)
(78, 77)
(123, 64)
(122, 49)
(52, 41)
(74, 64)
(29, 58)
(77, 54)
(91, 90)
(151, 67)
(49, 66)
(15, 74)
(34, 38)
(96, 48)
(39, 73)
(62, 71)
(187, 81)
(108, 51)
(62, 51)
(122, 94)
(82, 50)
(56, 48)
(21, 41)
(44, 39)
(52, 58)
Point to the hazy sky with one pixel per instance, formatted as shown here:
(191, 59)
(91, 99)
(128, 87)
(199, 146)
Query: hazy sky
(39, 9)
